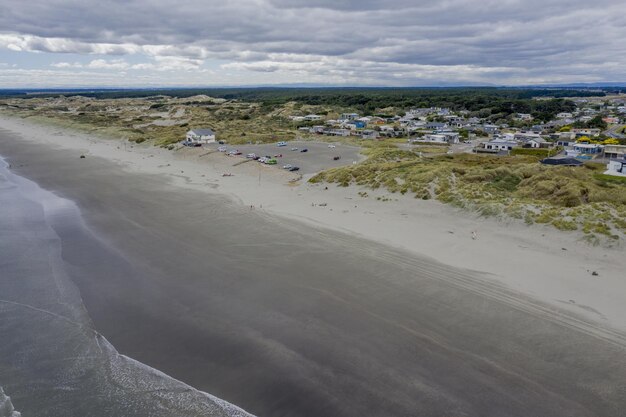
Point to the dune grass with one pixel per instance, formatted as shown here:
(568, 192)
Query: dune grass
(569, 198)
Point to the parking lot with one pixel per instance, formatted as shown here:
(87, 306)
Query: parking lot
(319, 155)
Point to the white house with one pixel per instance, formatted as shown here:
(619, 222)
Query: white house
(538, 142)
(312, 117)
(616, 167)
(201, 136)
(435, 138)
(500, 144)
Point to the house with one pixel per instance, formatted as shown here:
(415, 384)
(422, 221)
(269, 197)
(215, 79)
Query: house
(586, 132)
(616, 167)
(433, 139)
(610, 120)
(355, 124)
(565, 143)
(564, 115)
(490, 129)
(200, 136)
(349, 116)
(615, 151)
(338, 132)
(500, 144)
(451, 137)
(436, 125)
(369, 134)
(537, 142)
(312, 117)
(588, 148)
(377, 120)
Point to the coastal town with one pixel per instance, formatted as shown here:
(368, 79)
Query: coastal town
(595, 130)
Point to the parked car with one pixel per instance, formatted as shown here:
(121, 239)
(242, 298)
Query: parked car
(304, 150)
(221, 142)
(336, 158)
(294, 149)
(271, 162)
(235, 152)
(280, 155)
(251, 156)
(331, 146)
(294, 169)
(288, 166)
(262, 159)
(221, 149)
(281, 144)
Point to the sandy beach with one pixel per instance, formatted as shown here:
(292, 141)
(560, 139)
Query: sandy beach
(554, 266)
(288, 298)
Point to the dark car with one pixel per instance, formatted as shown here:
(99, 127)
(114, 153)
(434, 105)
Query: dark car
(304, 150)
(294, 169)
(336, 158)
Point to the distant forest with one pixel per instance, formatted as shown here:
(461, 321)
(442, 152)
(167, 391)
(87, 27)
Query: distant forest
(489, 102)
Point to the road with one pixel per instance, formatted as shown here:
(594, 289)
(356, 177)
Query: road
(614, 131)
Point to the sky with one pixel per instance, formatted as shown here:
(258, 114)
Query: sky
(159, 43)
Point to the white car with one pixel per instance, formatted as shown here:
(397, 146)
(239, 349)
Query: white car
(331, 146)
(251, 156)
(222, 149)
(294, 149)
(288, 166)
(263, 159)
(281, 144)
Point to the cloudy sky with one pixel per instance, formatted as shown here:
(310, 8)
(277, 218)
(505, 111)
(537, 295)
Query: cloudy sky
(52, 43)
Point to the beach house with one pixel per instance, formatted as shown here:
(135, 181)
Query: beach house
(201, 136)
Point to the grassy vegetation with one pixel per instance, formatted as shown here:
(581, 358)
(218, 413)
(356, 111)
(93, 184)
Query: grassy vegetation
(540, 152)
(162, 120)
(569, 198)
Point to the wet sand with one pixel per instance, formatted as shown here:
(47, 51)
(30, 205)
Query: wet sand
(284, 319)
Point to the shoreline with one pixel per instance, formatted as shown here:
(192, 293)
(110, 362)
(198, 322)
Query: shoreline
(278, 317)
(40, 301)
(554, 266)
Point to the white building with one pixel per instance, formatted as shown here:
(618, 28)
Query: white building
(201, 136)
(616, 167)
(500, 144)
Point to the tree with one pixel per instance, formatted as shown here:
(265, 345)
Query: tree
(610, 141)
(597, 122)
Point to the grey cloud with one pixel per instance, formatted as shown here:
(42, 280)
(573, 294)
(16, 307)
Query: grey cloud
(535, 38)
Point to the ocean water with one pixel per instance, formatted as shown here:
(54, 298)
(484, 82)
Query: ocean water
(53, 362)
